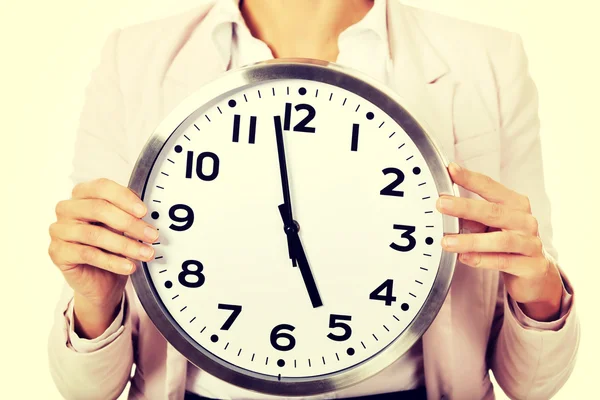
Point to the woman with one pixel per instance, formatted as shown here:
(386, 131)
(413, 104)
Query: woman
(510, 308)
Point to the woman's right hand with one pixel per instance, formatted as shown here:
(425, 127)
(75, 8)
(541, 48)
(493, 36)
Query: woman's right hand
(88, 246)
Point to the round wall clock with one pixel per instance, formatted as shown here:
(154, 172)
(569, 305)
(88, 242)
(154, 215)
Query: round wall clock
(299, 248)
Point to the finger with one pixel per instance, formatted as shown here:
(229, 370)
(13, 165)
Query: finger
(499, 241)
(490, 214)
(488, 188)
(68, 255)
(513, 264)
(102, 238)
(99, 210)
(106, 189)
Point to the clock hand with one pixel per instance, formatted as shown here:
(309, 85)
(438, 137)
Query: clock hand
(285, 219)
(295, 248)
(285, 209)
(307, 276)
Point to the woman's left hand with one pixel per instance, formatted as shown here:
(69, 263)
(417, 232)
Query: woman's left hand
(500, 233)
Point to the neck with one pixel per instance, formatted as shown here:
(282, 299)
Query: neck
(303, 28)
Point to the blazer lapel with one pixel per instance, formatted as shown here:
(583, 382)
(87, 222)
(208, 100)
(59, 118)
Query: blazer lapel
(423, 78)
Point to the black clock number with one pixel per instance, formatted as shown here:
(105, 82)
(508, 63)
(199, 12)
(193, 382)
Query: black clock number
(235, 312)
(236, 129)
(187, 220)
(355, 132)
(412, 242)
(200, 168)
(302, 125)
(335, 322)
(390, 190)
(289, 340)
(387, 297)
(191, 278)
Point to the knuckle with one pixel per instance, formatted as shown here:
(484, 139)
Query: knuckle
(53, 230)
(503, 263)
(538, 245)
(112, 263)
(470, 242)
(87, 254)
(77, 189)
(526, 204)
(496, 211)
(98, 207)
(130, 224)
(506, 242)
(60, 208)
(102, 184)
(125, 246)
(486, 181)
(534, 225)
(53, 250)
(91, 235)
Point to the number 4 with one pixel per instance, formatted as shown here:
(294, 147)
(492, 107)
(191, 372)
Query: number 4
(388, 286)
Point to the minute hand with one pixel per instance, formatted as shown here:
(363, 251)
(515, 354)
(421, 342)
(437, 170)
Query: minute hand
(285, 209)
(285, 184)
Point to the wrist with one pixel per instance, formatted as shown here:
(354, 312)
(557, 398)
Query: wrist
(91, 320)
(548, 307)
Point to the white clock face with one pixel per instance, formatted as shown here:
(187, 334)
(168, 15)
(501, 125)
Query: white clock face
(364, 200)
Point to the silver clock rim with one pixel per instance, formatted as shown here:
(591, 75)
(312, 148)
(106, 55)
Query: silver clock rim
(389, 102)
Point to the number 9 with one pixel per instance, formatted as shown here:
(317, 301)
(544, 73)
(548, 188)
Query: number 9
(187, 220)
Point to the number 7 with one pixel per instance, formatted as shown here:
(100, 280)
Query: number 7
(236, 310)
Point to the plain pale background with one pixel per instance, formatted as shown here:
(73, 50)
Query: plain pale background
(50, 47)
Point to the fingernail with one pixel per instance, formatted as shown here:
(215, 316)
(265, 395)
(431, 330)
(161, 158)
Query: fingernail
(465, 257)
(455, 166)
(151, 233)
(446, 203)
(450, 241)
(139, 209)
(146, 251)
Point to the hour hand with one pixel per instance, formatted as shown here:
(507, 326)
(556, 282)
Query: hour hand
(287, 223)
(307, 276)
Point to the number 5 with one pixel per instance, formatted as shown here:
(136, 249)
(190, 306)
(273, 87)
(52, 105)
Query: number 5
(334, 322)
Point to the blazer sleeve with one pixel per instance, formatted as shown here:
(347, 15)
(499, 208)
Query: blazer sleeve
(528, 362)
(100, 151)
